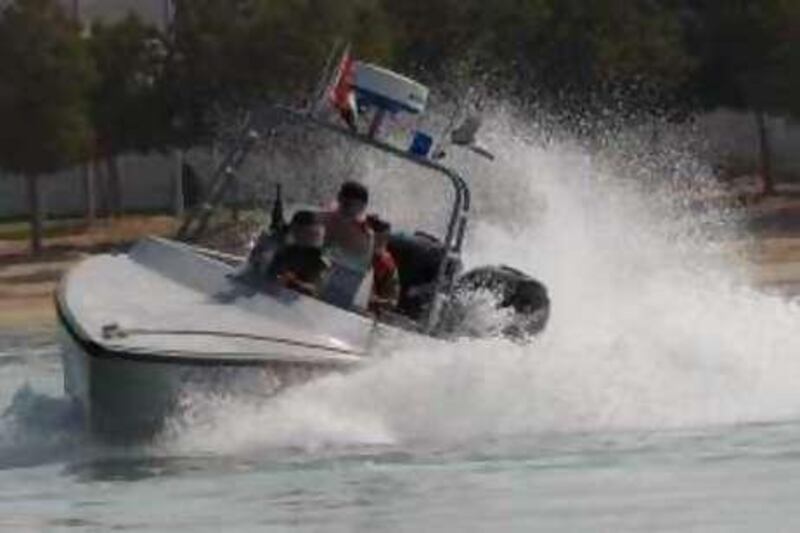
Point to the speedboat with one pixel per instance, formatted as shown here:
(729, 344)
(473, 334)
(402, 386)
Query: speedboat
(142, 328)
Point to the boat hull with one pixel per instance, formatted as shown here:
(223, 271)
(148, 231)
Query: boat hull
(117, 397)
(124, 396)
(142, 333)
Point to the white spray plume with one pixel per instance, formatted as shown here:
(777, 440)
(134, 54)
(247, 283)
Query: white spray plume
(650, 327)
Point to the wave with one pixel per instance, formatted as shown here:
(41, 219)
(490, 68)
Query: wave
(654, 323)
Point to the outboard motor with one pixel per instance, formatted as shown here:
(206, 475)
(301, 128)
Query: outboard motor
(418, 257)
(514, 290)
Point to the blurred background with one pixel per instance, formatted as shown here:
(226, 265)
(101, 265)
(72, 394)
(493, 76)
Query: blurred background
(114, 113)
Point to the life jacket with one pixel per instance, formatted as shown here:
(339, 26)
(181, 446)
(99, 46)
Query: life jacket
(383, 266)
(386, 282)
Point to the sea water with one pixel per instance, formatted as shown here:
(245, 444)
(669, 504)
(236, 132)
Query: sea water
(662, 397)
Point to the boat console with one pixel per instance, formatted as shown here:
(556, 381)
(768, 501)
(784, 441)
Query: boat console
(430, 267)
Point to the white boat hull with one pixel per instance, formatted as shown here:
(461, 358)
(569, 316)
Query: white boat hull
(141, 330)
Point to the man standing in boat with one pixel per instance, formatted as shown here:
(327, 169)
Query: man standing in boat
(347, 236)
(348, 244)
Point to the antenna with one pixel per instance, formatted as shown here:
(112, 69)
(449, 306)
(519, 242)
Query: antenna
(277, 222)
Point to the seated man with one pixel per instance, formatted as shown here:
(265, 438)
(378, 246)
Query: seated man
(386, 281)
(300, 264)
(347, 235)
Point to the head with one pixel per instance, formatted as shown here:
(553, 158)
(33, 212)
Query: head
(382, 230)
(352, 199)
(306, 229)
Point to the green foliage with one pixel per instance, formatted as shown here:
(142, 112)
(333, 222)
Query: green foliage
(748, 52)
(429, 34)
(569, 54)
(128, 112)
(226, 54)
(45, 74)
(221, 56)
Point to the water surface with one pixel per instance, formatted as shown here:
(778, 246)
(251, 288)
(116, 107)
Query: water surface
(725, 478)
(662, 397)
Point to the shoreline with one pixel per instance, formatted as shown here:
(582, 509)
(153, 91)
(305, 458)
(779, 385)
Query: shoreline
(37, 312)
(28, 284)
(34, 315)
(30, 307)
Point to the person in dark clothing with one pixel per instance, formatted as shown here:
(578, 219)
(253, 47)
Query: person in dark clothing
(386, 280)
(300, 264)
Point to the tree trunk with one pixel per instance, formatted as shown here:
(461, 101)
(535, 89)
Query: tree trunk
(168, 12)
(101, 188)
(235, 198)
(35, 213)
(764, 154)
(114, 186)
(91, 193)
(177, 184)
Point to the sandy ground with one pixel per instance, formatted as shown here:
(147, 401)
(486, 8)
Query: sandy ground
(27, 284)
(774, 252)
(776, 264)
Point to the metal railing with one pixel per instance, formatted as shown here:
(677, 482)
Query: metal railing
(263, 121)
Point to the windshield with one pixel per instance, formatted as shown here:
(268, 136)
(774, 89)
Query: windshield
(310, 164)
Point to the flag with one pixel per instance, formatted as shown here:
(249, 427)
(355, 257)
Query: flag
(342, 95)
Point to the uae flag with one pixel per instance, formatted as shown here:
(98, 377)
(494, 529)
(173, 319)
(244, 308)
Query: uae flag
(342, 95)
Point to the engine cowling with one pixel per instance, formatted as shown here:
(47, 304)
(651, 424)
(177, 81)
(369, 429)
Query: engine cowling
(513, 290)
(418, 257)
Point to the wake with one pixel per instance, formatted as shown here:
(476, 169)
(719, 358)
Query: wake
(654, 324)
